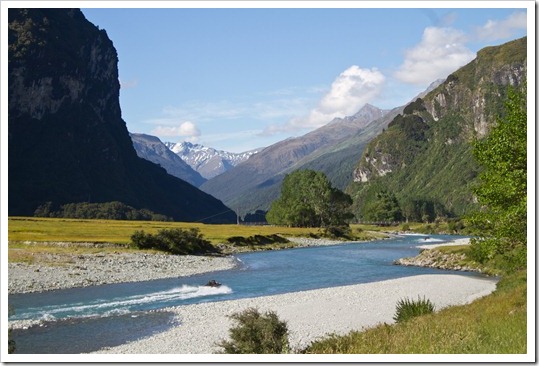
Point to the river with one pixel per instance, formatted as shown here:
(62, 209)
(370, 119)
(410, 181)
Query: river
(86, 319)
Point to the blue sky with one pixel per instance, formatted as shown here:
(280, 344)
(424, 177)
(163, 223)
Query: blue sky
(238, 79)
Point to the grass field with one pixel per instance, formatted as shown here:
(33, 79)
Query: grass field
(25, 230)
(117, 231)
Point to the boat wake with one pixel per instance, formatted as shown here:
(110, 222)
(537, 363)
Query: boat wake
(120, 305)
(429, 240)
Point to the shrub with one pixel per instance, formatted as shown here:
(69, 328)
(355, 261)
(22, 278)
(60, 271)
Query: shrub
(257, 240)
(175, 241)
(256, 333)
(338, 232)
(408, 309)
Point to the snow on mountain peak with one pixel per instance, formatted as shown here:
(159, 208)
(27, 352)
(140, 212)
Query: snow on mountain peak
(208, 161)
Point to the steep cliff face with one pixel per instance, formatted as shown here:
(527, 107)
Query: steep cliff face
(67, 140)
(426, 150)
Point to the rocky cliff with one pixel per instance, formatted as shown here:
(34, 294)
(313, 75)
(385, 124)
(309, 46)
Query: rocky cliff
(67, 140)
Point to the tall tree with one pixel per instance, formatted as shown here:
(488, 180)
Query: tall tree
(308, 200)
(502, 192)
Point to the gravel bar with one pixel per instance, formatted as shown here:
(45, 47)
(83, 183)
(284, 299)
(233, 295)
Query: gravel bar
(69, 271)
(310, 315)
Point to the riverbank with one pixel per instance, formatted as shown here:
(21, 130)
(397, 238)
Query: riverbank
(431, 257)
(310, 315)
(54, 271)
(67, 271)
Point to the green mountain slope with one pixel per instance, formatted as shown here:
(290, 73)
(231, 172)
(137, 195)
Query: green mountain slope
(426, 151)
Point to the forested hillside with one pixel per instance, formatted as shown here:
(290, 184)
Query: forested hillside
(422, 167)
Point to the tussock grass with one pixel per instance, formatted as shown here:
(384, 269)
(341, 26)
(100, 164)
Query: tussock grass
(409, 308)
(495, 324)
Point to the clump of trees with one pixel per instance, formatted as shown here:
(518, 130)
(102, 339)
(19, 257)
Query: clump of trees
(256, 333)
(175, 241)
(502, 192)
(309, 200)
(103, 210)
(380, 205)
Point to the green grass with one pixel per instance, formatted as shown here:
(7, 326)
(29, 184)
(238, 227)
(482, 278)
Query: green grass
(495, 324)
(118, 231)
(28, 235)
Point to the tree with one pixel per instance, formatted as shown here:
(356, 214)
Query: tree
(502, 191)
(308, 200)
(384, 207)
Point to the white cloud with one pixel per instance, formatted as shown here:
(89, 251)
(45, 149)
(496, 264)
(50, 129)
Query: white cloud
(352, 89)
(502, 29)
(440, 52)
(186, 130)
(272, 107)
(201, 110)
(128, 84)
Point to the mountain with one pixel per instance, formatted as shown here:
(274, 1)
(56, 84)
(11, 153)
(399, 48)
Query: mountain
(207, 161)
(425, 153)
(339, 160)
(67, 140)
(152, 149)
(255, 183)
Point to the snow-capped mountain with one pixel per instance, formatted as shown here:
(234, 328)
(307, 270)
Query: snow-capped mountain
(208, 161)
(151, 148)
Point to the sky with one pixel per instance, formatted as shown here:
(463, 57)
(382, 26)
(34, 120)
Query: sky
(237, 79)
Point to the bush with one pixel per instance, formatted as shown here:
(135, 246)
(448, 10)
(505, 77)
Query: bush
(338, 232)
(175, 241)
(257, 333)
(257, 240)
(408, 309)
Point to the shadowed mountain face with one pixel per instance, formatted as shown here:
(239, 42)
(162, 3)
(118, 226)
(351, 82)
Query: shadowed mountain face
(67, 140)
(152, 149)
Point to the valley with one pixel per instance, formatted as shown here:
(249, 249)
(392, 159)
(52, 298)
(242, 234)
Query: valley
(122, 233)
